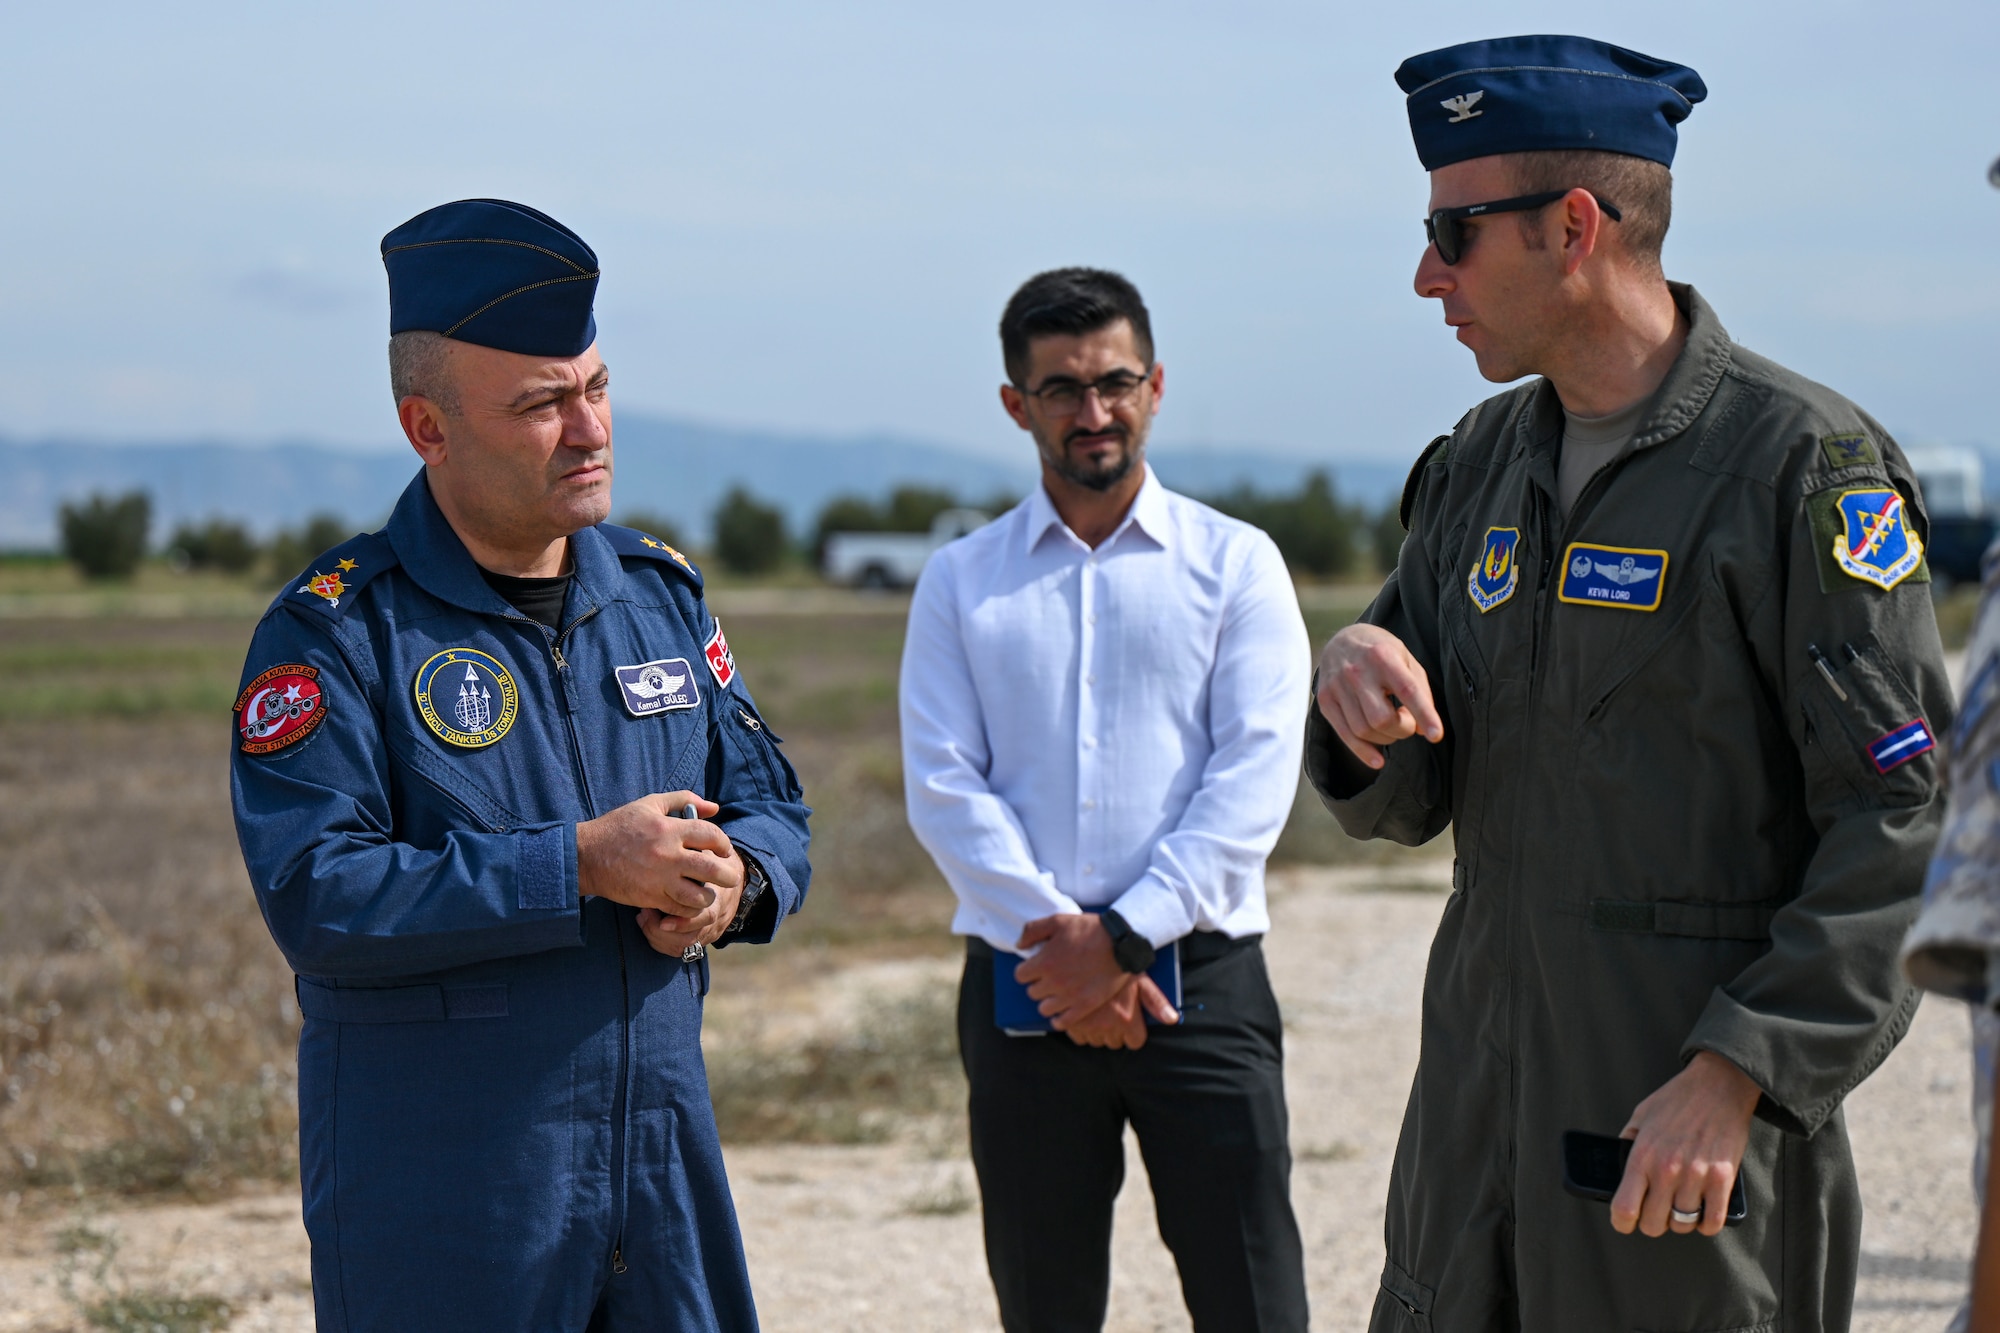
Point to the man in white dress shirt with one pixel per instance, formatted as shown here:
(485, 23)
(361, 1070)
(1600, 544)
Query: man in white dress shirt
(1100, 697)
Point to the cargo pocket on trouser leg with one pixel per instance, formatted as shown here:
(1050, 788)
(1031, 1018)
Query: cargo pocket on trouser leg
(1403, 1305)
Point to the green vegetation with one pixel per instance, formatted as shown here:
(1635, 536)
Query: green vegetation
(1314, 530)
(289, 551)
(749, 535)
(655, 525)
(907, 509)
(109, 1304)
(105, 536)
(217, 544)
(147, 1031)
(120, 667)
(1319, 534)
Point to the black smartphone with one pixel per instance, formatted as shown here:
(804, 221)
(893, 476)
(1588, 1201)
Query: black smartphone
(1594, 1166)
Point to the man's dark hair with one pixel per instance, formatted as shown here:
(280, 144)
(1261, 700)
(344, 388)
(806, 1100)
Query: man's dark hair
(1640, 189)
(1072, 301)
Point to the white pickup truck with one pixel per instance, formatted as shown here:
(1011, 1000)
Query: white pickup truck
(893, 559)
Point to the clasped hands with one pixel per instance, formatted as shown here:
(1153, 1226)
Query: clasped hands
(1081, 989)
(684, 875)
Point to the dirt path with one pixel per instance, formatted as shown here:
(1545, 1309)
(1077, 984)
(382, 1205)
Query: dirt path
(886, 1238)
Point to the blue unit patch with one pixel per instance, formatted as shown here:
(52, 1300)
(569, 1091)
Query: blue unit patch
(1496, 573)
(466, 697)
(1876, 544)
(1613, 576)
(1902, 745)
(665, 686)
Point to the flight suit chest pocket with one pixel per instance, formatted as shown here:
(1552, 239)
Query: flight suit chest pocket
(457, 797)
(1487, 608)
(1865, 731)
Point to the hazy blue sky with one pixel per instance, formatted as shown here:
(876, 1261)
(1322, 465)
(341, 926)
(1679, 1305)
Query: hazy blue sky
(810, 215)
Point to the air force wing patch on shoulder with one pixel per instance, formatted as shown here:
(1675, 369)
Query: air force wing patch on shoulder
(466, 697)
(1496, 573)
(1619, 576)
(665, 686)
(1875, 543)
(280, 708)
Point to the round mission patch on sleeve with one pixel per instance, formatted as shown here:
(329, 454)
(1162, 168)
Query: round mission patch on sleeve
(279, 708)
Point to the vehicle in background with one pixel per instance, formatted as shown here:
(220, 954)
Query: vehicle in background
(893, 559)
(1963, 525)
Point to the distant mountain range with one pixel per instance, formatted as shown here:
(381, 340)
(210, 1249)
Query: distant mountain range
(669, 467)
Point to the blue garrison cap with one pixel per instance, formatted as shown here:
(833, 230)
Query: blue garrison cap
(494, 273)
(1526, 94)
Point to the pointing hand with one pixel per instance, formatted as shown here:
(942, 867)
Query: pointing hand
(1373, 693)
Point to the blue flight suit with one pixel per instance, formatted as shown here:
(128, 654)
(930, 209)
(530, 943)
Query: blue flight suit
(504, 1115)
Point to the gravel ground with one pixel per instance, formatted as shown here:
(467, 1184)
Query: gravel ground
(887, 1237)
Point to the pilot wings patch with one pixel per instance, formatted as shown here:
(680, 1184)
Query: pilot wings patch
(1632, 580)
(664, 686)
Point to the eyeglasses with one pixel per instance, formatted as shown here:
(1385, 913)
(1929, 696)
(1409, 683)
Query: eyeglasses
(1063, 397)
(1445, 232)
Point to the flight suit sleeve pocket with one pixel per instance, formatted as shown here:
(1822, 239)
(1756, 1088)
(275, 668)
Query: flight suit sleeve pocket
(1404, 1296)
(1864, 727)
(757, 746)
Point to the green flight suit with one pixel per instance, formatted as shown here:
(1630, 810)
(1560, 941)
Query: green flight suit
(1673, 834)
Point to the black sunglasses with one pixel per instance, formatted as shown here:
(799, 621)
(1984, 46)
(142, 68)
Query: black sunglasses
(1449, 237)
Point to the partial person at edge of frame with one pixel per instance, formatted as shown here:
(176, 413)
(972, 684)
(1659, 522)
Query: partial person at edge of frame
(1954, 949)
(1099, 700)
(1658, 647)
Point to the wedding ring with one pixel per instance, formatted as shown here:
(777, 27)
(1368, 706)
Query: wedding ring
(1683, 1215)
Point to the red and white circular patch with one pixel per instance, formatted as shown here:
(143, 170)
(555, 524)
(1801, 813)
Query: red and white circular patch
(279, 708)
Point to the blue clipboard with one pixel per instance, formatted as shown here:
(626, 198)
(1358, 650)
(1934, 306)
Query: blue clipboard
(1018, 1016)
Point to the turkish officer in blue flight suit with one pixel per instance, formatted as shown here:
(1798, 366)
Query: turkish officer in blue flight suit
(466, 747)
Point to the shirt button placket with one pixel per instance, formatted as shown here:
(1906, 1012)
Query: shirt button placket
(1086, 724)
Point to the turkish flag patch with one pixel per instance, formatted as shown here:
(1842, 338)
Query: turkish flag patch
(281, 707)
(721, 662)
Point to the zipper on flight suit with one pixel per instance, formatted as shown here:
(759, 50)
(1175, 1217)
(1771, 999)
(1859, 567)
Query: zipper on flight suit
(621, 1093)
(1541, 594)
(1551, 542)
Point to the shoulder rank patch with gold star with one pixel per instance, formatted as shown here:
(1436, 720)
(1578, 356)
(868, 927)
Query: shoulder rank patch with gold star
(331, 581)
(632, 542)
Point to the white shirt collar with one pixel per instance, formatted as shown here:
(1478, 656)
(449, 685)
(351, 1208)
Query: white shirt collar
(1149, 513)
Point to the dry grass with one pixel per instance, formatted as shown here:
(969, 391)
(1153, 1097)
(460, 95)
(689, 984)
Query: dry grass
(147, 1027)
(92, 1280)
(146, 1021)
(854, 1086)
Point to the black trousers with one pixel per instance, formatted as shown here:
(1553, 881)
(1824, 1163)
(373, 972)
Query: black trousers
(1207, 1102)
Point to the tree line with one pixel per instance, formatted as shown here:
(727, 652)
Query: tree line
(109, 536)
(1318, 532)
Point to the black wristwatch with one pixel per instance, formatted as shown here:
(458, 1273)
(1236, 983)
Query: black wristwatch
(755, 881)
(1134, 952)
